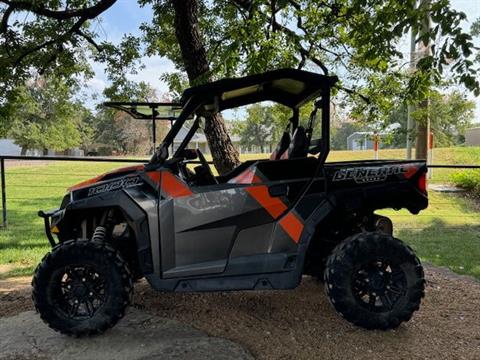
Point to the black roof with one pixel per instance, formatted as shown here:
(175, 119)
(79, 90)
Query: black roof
(289, 87)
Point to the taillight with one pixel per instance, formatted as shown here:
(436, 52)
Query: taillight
(422, 183)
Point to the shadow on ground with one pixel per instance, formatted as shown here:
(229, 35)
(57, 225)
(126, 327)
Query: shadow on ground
(443, 244)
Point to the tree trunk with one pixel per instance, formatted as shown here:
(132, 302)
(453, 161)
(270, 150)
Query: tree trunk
(23, 152)
(194, 55)
(423, 126)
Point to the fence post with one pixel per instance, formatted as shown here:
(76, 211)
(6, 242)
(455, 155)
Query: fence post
(4, 193)
(375, 145)
(430, 154)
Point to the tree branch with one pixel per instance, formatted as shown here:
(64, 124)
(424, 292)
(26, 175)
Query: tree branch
(295, 4)
(247, 5)
(214, 49)
(83, 15)
(48, 62)
(4, 28)
(35, 7)
(354, 92)
(19, 59)
(290, 33)
(90, 40)
(244, 4)
(6, 16)
(60, 39)
(304, 57)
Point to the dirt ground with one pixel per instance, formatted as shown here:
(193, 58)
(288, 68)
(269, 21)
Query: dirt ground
(301, 324)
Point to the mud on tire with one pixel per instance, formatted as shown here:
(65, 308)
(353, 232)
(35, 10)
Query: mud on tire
(82, 287)
(374, 280)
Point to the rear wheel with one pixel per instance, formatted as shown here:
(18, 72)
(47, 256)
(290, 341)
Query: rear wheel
(374, 281)
(82, 287)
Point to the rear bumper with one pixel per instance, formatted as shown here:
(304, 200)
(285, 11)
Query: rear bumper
(51, 218)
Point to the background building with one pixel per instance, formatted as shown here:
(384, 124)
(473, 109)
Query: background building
(472, 137)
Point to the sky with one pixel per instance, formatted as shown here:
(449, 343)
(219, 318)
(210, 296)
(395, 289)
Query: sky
(126, 16)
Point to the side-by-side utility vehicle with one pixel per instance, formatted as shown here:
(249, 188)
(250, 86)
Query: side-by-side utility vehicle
(259, 227)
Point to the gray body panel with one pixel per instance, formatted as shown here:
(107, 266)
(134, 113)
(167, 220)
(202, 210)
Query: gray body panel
(205, 226)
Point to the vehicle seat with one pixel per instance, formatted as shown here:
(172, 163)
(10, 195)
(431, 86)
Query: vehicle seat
(299, 144)
(282, 145)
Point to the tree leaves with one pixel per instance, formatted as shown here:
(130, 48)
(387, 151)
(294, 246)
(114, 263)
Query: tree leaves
(43, 116)
(355, 39)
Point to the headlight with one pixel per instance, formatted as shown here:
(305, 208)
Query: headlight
(55, 220)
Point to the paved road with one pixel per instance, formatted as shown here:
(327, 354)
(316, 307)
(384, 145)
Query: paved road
(138, 336)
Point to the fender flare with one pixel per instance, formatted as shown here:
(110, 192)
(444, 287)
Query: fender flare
(326, 206)
(134, 215)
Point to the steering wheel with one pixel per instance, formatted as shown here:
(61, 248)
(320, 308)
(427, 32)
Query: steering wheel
(205, 165)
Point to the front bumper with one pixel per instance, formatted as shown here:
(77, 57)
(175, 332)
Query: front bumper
(51, 218)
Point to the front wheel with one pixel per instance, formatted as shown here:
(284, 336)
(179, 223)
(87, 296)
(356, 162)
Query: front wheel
(374, 280)
(82, 287)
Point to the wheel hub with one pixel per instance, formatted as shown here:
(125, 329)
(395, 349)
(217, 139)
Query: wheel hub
(377, 282)
(379, 285)
(82, 292)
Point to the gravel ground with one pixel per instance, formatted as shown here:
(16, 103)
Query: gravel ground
(301, 324)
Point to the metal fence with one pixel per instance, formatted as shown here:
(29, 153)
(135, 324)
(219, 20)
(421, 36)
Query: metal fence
(447, 233)
(48, 158)
(77, 175)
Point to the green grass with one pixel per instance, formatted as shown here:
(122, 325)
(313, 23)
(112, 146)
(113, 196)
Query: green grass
(446, 234)
(30, 188)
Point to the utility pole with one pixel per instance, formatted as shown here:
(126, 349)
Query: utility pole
(410, 106)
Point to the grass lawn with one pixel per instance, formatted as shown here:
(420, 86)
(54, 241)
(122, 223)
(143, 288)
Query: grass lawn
(29, 189)
(446, 234)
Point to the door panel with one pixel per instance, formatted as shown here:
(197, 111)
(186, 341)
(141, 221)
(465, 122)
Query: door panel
(204, 227)
(198, 235)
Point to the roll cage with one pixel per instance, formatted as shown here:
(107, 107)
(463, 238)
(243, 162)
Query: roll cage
(150, 111)
(289, 87)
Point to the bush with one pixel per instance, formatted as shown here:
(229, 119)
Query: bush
(468, 179)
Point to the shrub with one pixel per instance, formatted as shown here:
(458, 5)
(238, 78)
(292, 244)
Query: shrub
(468, 179)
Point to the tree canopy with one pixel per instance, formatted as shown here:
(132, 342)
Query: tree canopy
(451, 113)
(352, 38)
(355, 39)
(257, 128)
(44, 116)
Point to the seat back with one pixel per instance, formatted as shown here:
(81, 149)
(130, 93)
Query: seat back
(298, 145)
(282, 145)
